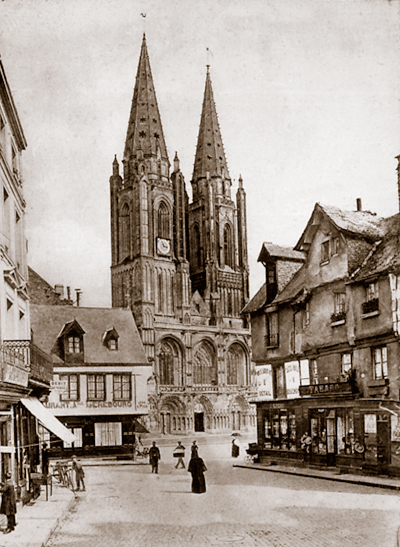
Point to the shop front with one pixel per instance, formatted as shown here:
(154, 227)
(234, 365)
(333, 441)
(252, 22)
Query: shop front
(331, 430)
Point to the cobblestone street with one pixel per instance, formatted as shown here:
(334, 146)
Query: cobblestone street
(129, 506)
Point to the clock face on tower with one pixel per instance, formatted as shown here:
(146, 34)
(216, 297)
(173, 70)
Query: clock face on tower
(163, 246)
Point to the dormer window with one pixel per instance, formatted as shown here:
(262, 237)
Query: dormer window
(74, 344)
(70, 342)
(110, 339)
(112, 344)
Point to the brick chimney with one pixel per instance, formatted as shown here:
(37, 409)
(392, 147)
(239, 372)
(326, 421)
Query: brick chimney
(59, 289)
(359, 205)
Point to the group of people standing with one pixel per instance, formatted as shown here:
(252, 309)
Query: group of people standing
(196, 465)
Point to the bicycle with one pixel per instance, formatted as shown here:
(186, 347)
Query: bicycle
(250, 458)
(144, 453)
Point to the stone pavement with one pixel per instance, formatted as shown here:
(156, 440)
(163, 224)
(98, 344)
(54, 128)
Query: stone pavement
(331, 475)
(37, 520)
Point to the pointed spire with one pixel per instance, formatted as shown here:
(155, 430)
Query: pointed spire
(144, 128)
(210, 155)
(176, 162)
(115, 166)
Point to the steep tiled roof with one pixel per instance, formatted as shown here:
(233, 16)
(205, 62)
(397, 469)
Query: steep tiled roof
(292, 289)
(257, 301)
(362, 223)
(276, 251)
(384, 255)
(145, 131)
(48, 321)
(358, 224)
(210, 155)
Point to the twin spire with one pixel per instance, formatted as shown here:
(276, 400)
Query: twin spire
(210, 155)
(145, 130)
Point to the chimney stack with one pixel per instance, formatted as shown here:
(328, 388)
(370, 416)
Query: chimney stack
(59, 289)
(78, 296)
(359, 206)
(398, 177)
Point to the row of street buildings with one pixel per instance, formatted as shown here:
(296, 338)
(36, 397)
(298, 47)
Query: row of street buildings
(325, 341)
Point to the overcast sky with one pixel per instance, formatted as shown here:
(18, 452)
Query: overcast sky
(307, 94)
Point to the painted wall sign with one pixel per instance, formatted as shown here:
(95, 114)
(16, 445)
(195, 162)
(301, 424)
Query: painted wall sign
(325, 389)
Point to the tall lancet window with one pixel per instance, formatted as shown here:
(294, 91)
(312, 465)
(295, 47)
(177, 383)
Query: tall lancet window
(228, 254)
(197, 247)
(125, 228)
(163, 221)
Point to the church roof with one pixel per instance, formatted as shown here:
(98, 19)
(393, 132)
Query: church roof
(144, 128)
(210, 155)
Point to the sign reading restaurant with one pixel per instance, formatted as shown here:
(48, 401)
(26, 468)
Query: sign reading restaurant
(325, 389)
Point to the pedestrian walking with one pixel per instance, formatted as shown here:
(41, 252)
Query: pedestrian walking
(79, 474)
(235, 448)
(197, 468)
(154, 456)
(8, 503)
(45, 460)
(179, 453)
(194, 449)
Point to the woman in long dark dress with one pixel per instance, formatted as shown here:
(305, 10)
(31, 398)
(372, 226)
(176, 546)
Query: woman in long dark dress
(197, 468)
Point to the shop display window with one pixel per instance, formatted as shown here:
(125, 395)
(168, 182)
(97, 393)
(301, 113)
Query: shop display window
(370, 438)
(345, 431)
(318, 432)
(280, 430)
(267, 432)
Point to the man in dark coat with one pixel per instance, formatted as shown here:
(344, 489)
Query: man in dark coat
(45, 460)
(8, 503)
(197, 468)
(154, 456)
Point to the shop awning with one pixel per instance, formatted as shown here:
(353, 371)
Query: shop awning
(47, 419)
(139, 427)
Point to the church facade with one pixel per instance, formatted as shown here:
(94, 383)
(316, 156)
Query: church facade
(183, 269)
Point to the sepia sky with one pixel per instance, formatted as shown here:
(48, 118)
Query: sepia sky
(307, 94)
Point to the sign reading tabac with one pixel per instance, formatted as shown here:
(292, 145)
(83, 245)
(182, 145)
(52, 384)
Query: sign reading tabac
(338, 388)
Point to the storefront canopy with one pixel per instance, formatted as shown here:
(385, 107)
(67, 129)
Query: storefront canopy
(47, 419)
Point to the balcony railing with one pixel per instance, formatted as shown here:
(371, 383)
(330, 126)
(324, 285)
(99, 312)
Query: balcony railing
(370, 306)
(13, 369)
(36, 361)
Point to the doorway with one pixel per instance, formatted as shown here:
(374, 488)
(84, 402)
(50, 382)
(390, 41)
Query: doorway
(199, 421)
(383, 442)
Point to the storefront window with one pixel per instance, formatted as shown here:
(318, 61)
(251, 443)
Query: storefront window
(395, 438)
(292, 431)
(267, 432)
(108, 433)
(280, 429)
(345, 431)
(276, 441)
(370, 438)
